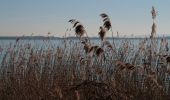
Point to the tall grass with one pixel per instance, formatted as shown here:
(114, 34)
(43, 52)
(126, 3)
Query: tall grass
(83, 71)
(68, 73)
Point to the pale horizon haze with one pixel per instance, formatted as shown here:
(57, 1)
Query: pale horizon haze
(24, 17)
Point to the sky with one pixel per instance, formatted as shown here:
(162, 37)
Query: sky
(128, 17)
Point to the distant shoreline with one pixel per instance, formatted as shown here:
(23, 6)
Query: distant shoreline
(53, 38)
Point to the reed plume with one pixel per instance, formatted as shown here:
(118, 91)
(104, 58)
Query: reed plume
(78, 27)
(130, 66)
(153, 32)
(106, 21)
(99, 51)
(154, 13)
(102, 33)
(106, 25)
(120, 65)
(93, 48)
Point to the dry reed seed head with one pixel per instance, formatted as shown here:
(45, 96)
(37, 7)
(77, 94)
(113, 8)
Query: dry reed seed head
(153, 32)
(107, 24)
(129, 66)
(99, 51)
(76, 23)
(121, 65)
(164, 55)
(103, 15)
(95, 47)
(153, 12)
(168, 59)
(79, 28)
(106, 21)
(17, 39)
(92, 48)
(83, 42)
(72, 20)
(102, 33)
(110, 46)
(154, 28)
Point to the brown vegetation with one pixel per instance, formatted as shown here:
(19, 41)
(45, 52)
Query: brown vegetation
(82, 71)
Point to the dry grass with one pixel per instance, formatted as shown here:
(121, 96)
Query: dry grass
(59, 73)
(82, 71)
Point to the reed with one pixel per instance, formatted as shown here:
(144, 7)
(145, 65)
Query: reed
(84, 71)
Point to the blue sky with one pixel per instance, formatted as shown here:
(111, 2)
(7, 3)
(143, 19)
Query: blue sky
(24, 17)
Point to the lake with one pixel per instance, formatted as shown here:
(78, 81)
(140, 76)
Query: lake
(6, 43)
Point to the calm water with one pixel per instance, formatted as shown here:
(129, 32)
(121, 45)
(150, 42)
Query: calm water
(58, 42)
(38, 43)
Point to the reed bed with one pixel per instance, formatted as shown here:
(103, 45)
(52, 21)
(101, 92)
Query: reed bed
(83, 71)
(67, 72)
